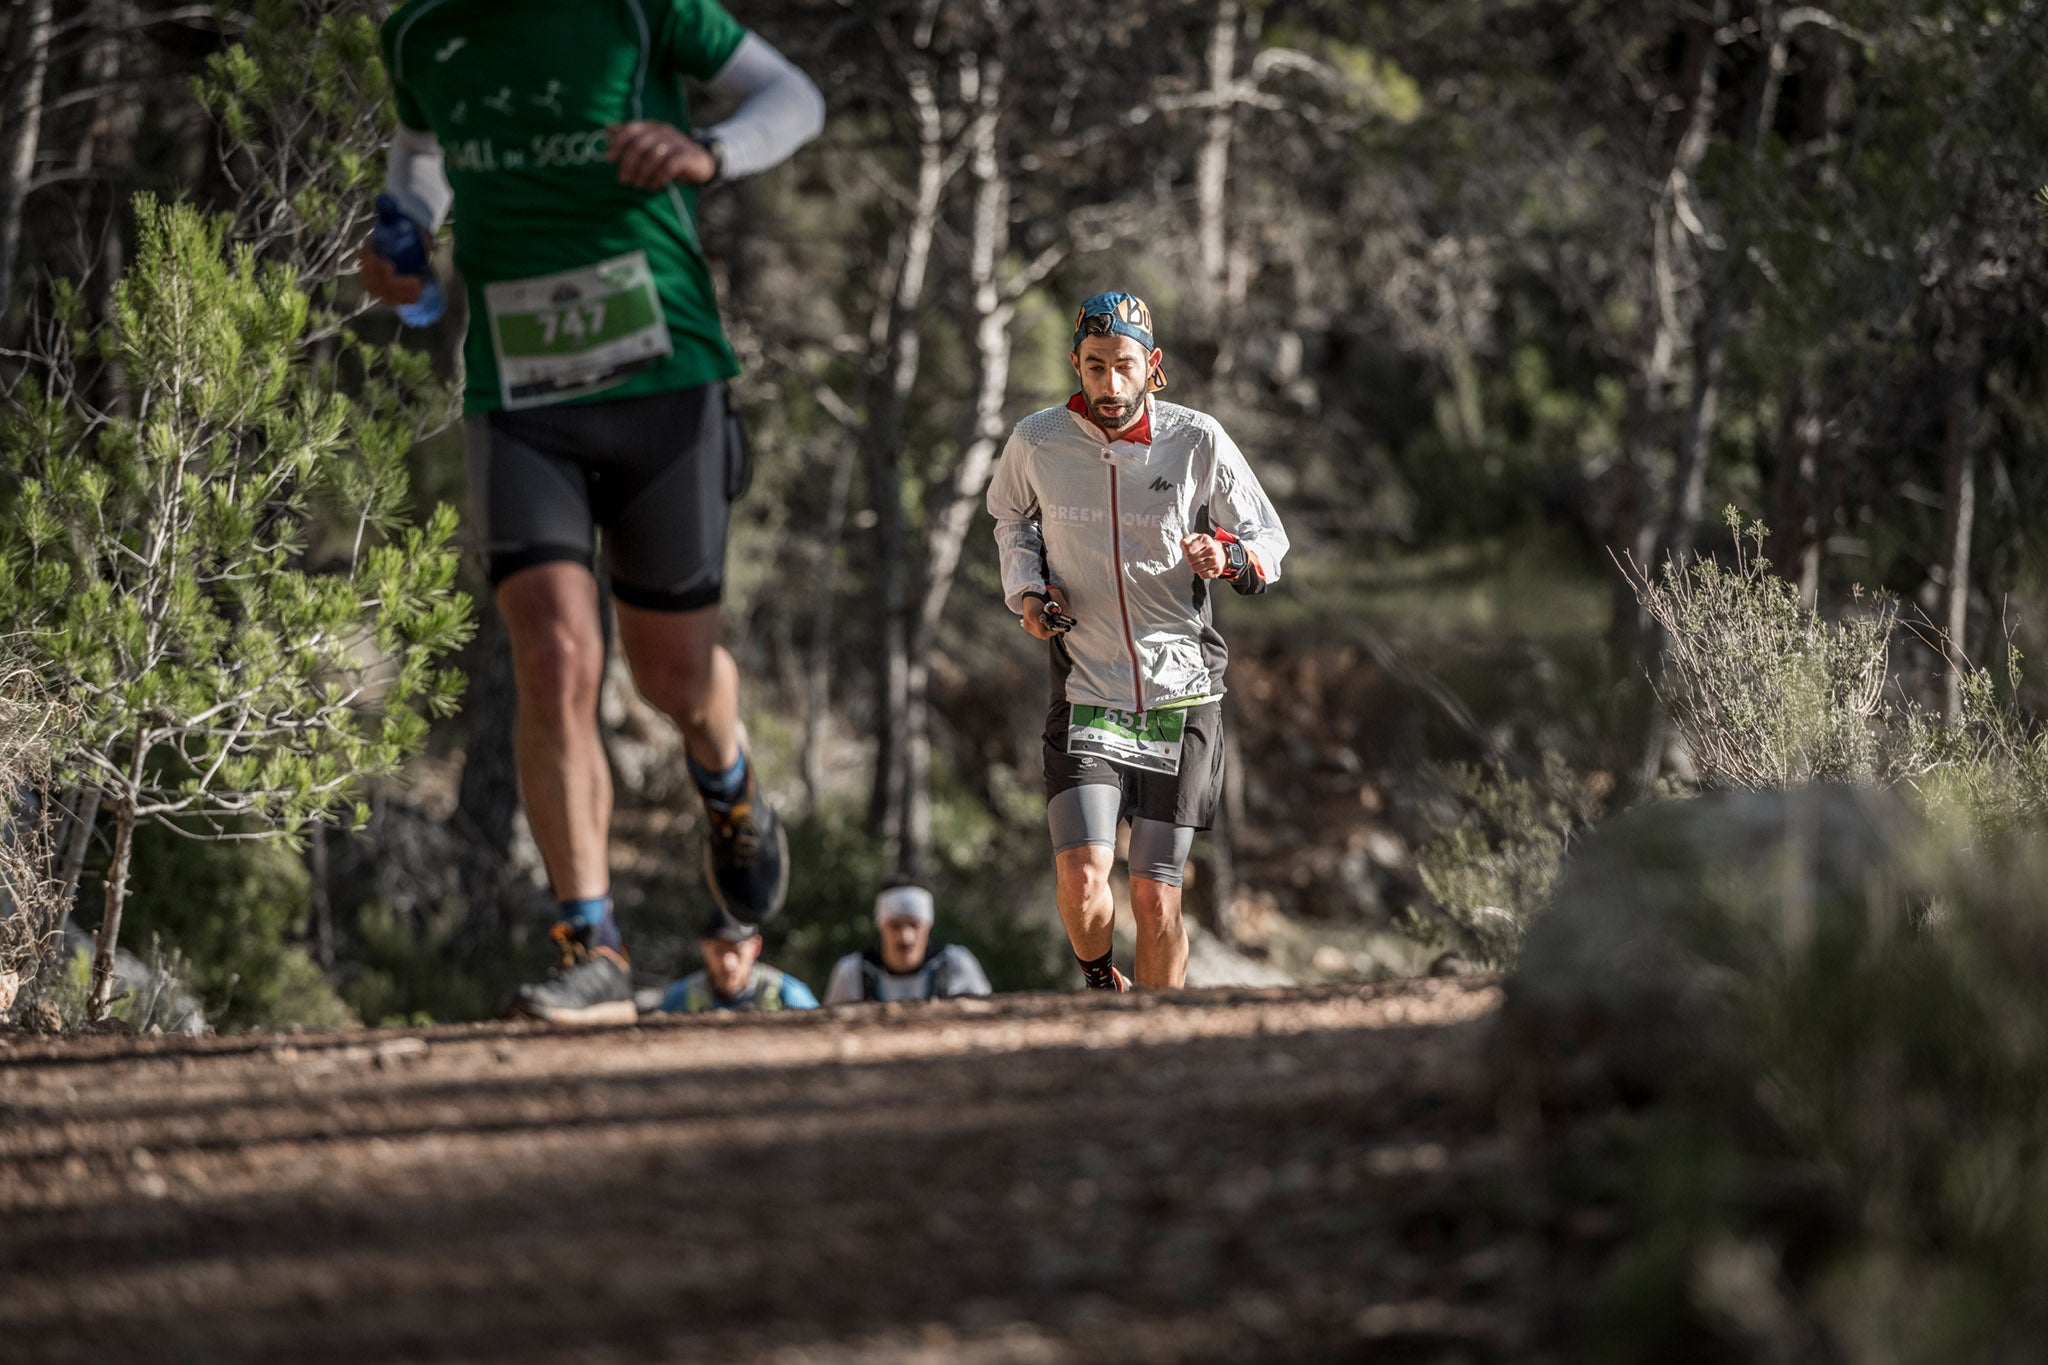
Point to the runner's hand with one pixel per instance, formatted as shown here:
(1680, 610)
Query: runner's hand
(383, 283)
(1205, 556)
(1034, 612)
(652, 155)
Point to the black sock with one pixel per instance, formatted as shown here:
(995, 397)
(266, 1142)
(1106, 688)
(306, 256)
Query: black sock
(1099, 975)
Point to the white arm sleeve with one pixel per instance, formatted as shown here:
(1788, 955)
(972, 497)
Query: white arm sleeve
(1241, 507)
(1020, 538)
(779, 109)
(416, 180)
(844, 987)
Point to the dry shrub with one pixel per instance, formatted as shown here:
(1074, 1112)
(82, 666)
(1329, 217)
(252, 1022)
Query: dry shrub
(32, 896)
(1769, 695)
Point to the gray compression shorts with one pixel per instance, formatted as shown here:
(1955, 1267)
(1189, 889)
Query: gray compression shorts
(657, 475)
(1084, 815)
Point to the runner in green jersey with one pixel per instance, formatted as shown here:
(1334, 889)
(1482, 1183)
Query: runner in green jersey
(596, 417)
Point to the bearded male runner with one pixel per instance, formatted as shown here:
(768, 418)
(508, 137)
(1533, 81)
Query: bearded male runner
(1114, 514)
(595, 398)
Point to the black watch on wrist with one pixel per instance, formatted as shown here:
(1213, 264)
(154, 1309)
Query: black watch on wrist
(1234, 559)
(717, 150)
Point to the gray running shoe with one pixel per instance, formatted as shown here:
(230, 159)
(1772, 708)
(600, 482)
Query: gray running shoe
(746, 856)
(588, 986)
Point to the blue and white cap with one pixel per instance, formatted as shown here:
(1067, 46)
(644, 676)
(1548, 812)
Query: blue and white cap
(1118, 314)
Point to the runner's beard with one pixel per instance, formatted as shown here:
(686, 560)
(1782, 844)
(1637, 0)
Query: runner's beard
(1113, 414)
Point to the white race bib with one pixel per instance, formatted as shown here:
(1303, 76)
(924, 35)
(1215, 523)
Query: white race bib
(1149, 741)
(565, 335)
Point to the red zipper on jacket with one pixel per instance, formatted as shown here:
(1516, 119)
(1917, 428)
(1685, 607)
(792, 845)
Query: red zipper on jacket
(1116, 558)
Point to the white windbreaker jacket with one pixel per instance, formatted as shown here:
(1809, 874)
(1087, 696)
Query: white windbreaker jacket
(1104, 520)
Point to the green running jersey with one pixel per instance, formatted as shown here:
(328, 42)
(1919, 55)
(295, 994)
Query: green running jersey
(519, 93)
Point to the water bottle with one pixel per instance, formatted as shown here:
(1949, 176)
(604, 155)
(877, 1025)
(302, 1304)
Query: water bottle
(397, 239)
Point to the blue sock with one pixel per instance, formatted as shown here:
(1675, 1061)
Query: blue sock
(721, 791)
(592, 916)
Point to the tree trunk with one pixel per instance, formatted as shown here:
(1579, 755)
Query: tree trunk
(1959, 507)
(109, 142)
(487, 797)
(895, 375)
(323, 901)
(78, 840)
(109, 936)
(1212, 175)
(818, 679)
(1797, 524)
(1710, 347)
(958, 497)
(21, 122)
(1666, 265)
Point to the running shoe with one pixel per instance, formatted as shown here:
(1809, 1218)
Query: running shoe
(588, 986)
(746, 855)
(1118, 983)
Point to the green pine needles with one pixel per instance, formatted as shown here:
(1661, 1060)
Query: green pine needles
(209, 557)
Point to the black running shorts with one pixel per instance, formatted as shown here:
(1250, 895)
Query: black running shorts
(1186, 798)
(656, 474)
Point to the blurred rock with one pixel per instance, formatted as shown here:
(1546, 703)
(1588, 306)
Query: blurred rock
(166, 1001)
(1355, 890)
(1450, 964)
(1632, 981)
(1211, 962)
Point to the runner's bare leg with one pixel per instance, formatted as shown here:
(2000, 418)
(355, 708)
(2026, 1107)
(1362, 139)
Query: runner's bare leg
(1082, 891)
(551, 615)
(1162, 936)
(684, 673)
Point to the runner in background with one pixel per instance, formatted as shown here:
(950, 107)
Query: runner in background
(734, 977)
(905, 964)
(1114, 515)
(595, 400)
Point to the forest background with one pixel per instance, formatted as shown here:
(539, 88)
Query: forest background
(1494, 295)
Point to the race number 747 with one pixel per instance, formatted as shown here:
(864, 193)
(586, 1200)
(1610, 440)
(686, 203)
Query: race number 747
(575, 323)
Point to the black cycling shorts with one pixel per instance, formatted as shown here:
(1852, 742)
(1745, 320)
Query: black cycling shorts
(1187, 798)
(656, 474)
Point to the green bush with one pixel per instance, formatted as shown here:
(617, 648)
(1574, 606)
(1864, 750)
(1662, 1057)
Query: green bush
(232, 912)
(433, 967)
(1496, 865)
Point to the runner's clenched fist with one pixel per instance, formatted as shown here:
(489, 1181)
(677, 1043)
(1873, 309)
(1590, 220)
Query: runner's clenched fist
(1205, 555)
(652, 155)
(1034, 611)
(381, 280)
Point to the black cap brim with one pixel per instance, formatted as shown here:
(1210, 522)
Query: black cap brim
(722, 926)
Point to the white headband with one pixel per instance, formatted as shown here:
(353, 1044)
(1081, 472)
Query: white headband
(904, 902)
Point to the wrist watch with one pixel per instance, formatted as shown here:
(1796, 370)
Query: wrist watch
(717, 149)
(1234, 559)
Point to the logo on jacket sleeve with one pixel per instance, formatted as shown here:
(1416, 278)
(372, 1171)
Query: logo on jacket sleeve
(1160, 485)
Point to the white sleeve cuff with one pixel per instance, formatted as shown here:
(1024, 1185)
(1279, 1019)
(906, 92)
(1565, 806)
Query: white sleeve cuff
(779, 109)
(416, 179)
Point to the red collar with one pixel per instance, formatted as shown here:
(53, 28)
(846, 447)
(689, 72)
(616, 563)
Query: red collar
(1141, 433)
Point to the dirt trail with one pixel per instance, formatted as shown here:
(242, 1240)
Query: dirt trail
(1210, 1175)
